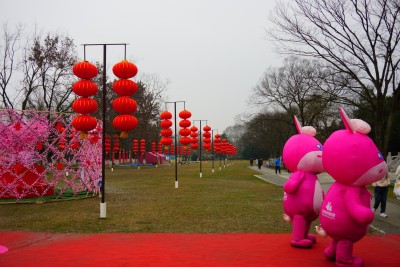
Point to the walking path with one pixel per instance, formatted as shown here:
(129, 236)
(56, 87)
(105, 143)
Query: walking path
(389, 225)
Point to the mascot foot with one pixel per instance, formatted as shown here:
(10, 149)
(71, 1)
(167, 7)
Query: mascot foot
(304, 243)
(330, 254)
(312, 238)
(357, 262)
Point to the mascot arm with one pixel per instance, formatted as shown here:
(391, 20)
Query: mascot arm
(293, 182)
(357, 211)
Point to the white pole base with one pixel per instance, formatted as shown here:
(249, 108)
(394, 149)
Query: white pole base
(112, 169)
(219, 168)
(138, 167)
(201, 175)
(176, 184)
(212, 170)
(103, 210)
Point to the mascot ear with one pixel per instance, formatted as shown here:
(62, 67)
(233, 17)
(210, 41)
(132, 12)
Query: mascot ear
(346, 120)
(298, 125)
(308, 130)
(354, 125)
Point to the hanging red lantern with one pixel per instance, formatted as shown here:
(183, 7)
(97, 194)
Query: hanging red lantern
(194, 145)
(124, 105)
(165, 124)
(166, 141)
(84, 105)
(207, 135)
(185, 123)
(125, 87)
(85, 70)
(153, 147)
(124, 69)
(84, 123)
(184, 132)
(166, 115)
(185, 140)
(116, 143)
(185, 114)
(125, 123)
(166, 132)
(85, 88)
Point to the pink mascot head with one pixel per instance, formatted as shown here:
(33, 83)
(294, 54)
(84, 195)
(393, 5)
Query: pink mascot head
(351, 157)
(303, 152)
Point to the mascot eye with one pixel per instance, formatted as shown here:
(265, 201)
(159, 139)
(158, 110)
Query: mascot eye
(319, 147)
(380, 155)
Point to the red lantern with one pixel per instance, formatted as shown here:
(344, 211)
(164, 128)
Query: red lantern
(84, 123)
(85, 88)
(184, 132)
(185, 114)
(125, 69)
(85, 70)
(166, 115)
(125, 123)
(166, 141)
(185, 123)
(185, 140)
(84, 105)
(207, 134)
(125, 87)
(166, 132)
(165, 124)
(207, 128)
(194, 146)
(124, 105)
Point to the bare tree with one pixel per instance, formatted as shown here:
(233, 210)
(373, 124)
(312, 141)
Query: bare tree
(9, 46)
(357, 38)
(47, 67)
(299, 88)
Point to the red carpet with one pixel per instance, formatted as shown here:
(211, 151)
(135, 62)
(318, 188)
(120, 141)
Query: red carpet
(120, 249)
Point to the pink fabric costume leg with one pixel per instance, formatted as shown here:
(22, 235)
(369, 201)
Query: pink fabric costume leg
(344, 255)
(299, 227)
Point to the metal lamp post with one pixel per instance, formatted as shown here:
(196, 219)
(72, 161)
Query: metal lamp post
(103, 210)
(200, 135)
(175, 150)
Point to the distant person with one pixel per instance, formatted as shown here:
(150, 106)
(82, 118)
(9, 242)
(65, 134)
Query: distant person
(381, 189)
(251, 161)
(260, 162)
(277, 164)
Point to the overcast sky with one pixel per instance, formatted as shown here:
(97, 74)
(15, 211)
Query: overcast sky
(212, 51)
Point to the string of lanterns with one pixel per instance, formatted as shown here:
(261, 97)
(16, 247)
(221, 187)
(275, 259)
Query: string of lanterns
(84, 105)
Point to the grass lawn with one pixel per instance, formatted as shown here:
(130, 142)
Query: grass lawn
(145, 200)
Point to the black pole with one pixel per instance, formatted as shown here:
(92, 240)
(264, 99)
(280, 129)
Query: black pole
(201, 175)
(212, 149)
(103, 158)
(176, 160)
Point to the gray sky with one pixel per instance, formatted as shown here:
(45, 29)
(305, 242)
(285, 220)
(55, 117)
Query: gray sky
(212, 51)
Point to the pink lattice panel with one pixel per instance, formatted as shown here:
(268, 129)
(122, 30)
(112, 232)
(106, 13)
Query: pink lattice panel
(42, 155)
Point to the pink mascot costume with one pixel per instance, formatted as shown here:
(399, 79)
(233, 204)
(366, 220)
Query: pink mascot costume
(303, 194)
(354, 161)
